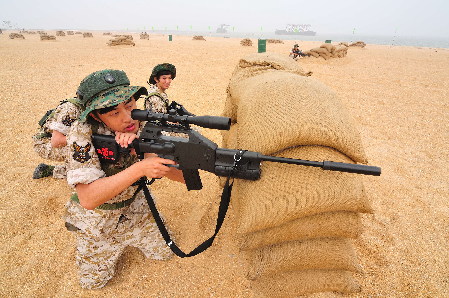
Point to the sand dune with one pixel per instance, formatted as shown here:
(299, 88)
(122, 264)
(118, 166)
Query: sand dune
(397, 95)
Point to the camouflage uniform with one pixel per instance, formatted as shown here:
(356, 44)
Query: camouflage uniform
(156, 100)
(60, 120)
(102, 235)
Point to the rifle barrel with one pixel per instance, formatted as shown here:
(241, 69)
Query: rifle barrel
(327, 165)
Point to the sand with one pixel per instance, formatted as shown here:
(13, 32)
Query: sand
(398, 97)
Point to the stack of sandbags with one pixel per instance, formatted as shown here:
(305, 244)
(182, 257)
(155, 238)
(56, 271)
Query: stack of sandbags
(144, 35)
(246, 42)
(274, 41)
(327, 51)
(343, 43)
(296, 223)
(198, 37)
(126, 36)
(77, 32)
(107, 33)
(87, 34)
(48, 37)
(358, 44)
(70, 33)
(16, 36)
(121, 40)
(60, 33)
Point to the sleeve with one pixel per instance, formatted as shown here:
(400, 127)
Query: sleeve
(83, 165)
(65, 115)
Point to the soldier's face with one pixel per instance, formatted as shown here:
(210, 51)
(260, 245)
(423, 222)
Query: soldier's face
(163, 82)
(119, 119)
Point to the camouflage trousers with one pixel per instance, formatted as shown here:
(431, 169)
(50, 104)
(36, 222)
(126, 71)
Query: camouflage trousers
(43, 148)
(97, 256)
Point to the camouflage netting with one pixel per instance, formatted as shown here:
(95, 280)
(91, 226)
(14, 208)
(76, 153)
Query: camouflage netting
(16, 36)
(358, 44)
(60, 33)
(48, 37)
(198, 37)
(144, 35)
(274, 41)
(87, 34)
(296, 222)
(246, 42)
(327, 51)
(121, 40)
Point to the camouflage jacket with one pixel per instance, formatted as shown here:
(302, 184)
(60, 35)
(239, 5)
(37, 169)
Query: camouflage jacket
(156, 100)
(60, 120)
(83, 166)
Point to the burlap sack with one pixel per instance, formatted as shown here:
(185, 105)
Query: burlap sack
(293, 284)
(340, 224)
(287, 192)
(323, 254)
(277, 107)
(277, 110)
(329, 47)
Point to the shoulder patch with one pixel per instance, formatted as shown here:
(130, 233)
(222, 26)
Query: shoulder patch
(81, 153)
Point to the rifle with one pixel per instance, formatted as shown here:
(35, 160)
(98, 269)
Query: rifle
(192, 152)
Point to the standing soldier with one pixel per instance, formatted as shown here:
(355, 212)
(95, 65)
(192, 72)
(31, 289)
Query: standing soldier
(108, 211)
(50, 141)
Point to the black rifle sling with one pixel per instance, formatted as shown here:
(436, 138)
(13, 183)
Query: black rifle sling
(224, 204)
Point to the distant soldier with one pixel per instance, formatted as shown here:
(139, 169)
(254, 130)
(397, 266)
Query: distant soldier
(297, 52)
(50, 141)
(160, 80)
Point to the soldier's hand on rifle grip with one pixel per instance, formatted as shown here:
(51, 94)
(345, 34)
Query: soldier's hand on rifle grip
(155, 167)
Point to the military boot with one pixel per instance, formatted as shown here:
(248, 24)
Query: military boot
(43, 170)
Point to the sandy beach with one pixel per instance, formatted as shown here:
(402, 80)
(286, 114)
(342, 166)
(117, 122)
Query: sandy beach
(398, 96)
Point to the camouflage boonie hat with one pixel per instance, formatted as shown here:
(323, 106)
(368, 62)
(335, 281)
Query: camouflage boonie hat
(99, 81)
(160, 67)
(112, 97)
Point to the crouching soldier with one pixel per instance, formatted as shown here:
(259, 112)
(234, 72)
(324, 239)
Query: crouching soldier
(50, 141)
(108, 212)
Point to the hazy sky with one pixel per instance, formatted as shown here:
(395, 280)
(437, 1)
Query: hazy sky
(380, 17)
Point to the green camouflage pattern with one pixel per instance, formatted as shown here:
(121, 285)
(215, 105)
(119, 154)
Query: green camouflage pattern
(112, 97)
(160, 67)
(99, 81)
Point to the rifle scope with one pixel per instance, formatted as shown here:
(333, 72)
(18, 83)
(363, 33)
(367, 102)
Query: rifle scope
(214, 122)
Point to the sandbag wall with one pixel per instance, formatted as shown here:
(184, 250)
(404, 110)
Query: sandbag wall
(327, 51)
(296, 223)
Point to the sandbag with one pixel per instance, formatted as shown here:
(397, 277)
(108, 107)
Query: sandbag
(323, 254)
(287, 192)
(340, 224)
(329, 47)
(278, 103)
(293, 284)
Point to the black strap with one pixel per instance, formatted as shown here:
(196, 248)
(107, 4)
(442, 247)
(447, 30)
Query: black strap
(224, 204)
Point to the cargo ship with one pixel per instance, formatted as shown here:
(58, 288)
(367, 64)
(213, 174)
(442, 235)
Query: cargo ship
(296, 29)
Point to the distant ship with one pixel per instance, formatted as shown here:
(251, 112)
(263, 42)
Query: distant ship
(295, 29)
(223, 28)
